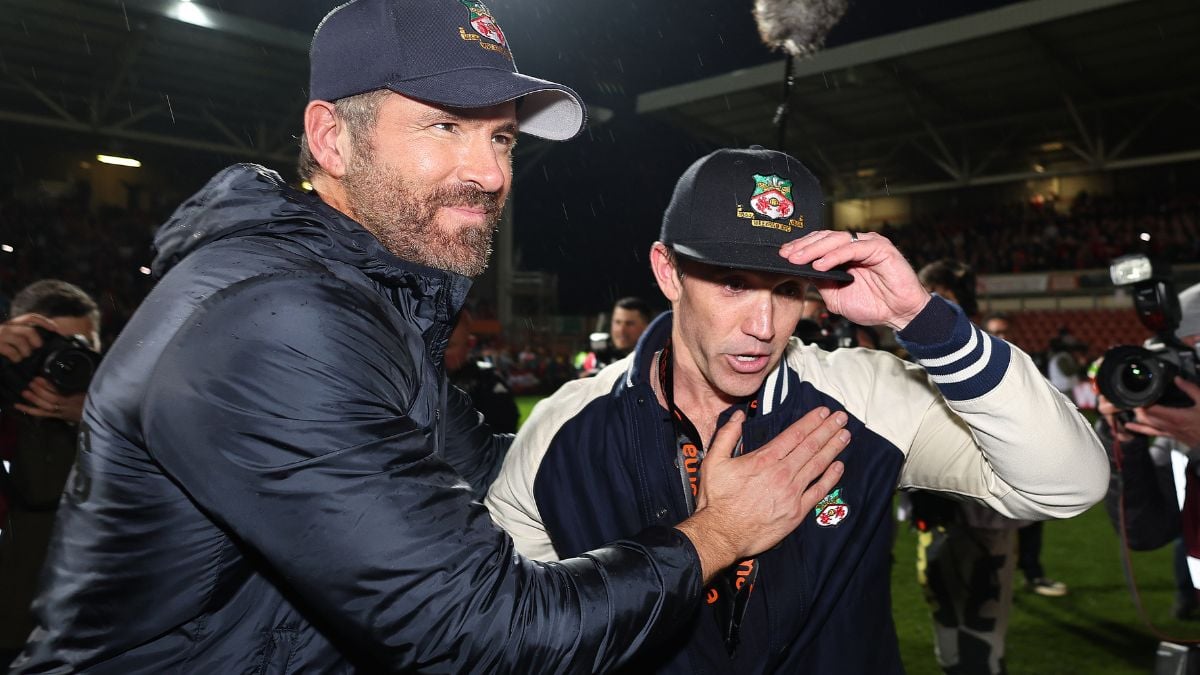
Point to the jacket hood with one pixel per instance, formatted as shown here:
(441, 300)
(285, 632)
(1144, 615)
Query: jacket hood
(251, 200)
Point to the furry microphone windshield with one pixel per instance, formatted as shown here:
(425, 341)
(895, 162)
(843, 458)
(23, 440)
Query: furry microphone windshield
(797, 27)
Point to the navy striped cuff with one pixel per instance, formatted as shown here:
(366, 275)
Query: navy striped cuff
(962, 360)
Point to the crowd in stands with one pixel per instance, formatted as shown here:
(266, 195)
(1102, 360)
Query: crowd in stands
(1029, 237)
(103, 250)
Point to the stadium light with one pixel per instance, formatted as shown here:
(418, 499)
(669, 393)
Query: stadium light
(7, 248)
(188, 12)
(144, 270)
(118, 160)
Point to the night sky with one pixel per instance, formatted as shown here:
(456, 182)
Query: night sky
(590, 210)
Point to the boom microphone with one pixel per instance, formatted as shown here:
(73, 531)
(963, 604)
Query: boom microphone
(797, 27)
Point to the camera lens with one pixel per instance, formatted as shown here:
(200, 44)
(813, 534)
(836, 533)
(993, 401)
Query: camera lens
(1137, 377)
(70, 370)
(1132, 376)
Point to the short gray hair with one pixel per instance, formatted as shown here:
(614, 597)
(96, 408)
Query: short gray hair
(359, 112)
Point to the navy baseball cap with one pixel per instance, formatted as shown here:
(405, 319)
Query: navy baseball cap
(446, 52)
(735, 208)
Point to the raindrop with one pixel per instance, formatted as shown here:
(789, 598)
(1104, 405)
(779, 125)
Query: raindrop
(564, 210)
(826, 78)
(87, 46)
(126, 15)
(170, 109)
(620, 66)
(885, 187)
(699, 59)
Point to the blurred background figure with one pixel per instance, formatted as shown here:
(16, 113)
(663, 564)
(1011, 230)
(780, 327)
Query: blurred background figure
(1066, 361)
(966, 553)
(954, 281)
(37, 440)
(817, 325)
(630, 316)
(479, 379)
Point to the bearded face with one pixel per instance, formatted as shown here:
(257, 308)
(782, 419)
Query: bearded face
(419, 222)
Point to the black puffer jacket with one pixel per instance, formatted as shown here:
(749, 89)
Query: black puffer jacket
(265, 478)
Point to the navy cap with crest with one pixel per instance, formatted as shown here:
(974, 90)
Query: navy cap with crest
(447, 52)
(735, 208)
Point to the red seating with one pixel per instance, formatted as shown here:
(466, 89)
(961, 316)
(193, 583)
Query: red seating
(1031, 330)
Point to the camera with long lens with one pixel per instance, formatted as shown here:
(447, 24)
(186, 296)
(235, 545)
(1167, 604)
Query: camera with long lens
(1131, 376)
(68, 363)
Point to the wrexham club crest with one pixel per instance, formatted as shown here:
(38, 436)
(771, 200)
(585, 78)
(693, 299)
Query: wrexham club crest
(832, 510)
(772, 197)
(483, 22)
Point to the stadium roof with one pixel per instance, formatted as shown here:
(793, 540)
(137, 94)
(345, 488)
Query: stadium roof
(1029, 90)
(167, 72)
(159, 71)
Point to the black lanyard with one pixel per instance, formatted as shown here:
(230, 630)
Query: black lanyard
(729, 592)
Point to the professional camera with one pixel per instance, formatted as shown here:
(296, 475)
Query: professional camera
(68, 363)
(828, 331)
(601, 343)
(1132, 376)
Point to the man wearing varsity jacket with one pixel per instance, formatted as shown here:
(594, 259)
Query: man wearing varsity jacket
(973, 418)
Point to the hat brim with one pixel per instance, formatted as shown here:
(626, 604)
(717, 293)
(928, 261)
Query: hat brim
(758, 257)
(548, 110)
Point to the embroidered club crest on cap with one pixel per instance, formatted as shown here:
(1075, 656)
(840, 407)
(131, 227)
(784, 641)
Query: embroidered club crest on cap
(832, 510)
(772, 197)
(483, 22)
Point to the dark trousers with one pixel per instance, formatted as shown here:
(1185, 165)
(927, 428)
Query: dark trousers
(1029, 551)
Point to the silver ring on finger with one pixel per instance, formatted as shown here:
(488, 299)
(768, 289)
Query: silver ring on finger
(853, 237)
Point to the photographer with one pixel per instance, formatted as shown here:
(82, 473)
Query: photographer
(1158, 470)
(37, 440)
(489, 393)
(630, 316)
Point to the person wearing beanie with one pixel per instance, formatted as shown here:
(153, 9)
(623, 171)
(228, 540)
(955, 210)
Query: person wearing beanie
(273, 472)
(742, 237)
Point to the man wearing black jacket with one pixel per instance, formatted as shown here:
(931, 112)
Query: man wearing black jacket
(273, 474)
